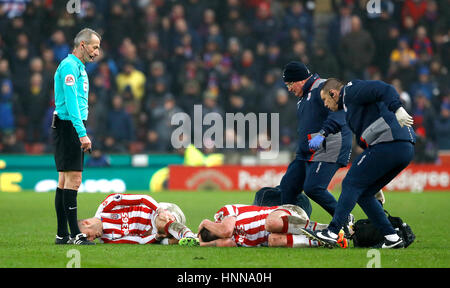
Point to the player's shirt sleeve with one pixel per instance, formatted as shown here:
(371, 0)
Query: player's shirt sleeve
(226, 211)
(114, 200)
(69, 75)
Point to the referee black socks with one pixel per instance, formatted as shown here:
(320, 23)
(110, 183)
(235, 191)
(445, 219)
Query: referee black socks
(60, 213)
(70, 207)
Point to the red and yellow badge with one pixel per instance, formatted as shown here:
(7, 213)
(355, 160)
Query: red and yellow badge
(69, 80)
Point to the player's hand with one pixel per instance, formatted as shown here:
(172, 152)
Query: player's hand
(316, 141)
(403, 118)
(86, 144)
(203, 224)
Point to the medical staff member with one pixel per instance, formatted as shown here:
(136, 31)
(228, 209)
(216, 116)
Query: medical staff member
(383, 129)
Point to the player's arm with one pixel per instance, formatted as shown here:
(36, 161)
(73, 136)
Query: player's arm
(69, 74)
(219, 243)
(223, 229)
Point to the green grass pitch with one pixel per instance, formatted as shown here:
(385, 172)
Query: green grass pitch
(28, 227)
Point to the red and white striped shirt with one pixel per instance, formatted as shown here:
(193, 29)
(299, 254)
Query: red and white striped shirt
(250, 224)
(128, 218)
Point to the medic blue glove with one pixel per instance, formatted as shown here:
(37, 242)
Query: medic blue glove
(316, 141)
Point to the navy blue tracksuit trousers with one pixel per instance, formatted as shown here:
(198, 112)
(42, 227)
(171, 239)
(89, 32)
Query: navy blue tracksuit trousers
(369, 173)
(312, 178)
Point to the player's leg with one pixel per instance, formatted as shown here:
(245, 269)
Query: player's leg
(62, 235)
(290, 240)
(292, 182)
(290, 219)
(318, 177)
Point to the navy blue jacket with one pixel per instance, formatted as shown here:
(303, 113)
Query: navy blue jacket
(370, 113)
(313, 116)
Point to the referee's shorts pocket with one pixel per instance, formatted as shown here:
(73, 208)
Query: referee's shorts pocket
(68, 153)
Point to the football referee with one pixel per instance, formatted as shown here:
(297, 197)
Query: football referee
(69, 132)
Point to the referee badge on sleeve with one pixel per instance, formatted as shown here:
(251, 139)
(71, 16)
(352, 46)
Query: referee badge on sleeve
(69, 80)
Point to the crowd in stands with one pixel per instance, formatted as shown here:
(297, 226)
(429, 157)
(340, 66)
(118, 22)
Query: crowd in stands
(161, 57)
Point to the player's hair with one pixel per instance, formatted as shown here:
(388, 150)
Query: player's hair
(207, 236)
(332, 83)
(86, 36)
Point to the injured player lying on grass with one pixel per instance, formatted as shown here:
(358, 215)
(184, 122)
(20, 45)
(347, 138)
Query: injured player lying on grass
(253, 226)
(136, 219)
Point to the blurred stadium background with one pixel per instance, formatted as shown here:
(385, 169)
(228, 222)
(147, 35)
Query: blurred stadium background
(160, 57)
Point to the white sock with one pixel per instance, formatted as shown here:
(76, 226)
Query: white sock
(301, 241)
(178, 231)
(392, 237)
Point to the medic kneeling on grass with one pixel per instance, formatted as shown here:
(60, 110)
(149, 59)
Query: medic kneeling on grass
(137, 219)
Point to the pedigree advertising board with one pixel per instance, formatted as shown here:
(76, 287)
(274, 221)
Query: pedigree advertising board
(415, 178)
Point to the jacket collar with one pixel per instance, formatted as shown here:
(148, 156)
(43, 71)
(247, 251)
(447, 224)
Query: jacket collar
(76, 59)
(341, 98)
(309, 83)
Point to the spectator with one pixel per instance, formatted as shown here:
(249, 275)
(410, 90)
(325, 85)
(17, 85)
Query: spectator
(265, 27)
(356, 50)
(405, 71)
(282, 105)
(190, 96)
(128, 54)
(20, 70)
(274, 58)
(442, 124)
(422, 44)
(157, 74)
(339, 27)
(424, 86)
(132, 78)
(152, 143)
(236, 104)
(424, 121)
(297, 17)
(248, 66)
(117, 28)
(323, 62)
(119, 123)
(160, 120)
(385, 35)
(6, 106)
(59, 46)
(268, 91)
(440, 78)
(11, 144)
(403, 50)
(249, 92)
(36, 103)
(152, 49)
(98, 159)
(415, 9)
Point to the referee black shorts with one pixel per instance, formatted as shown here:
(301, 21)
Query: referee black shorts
(68, 153)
